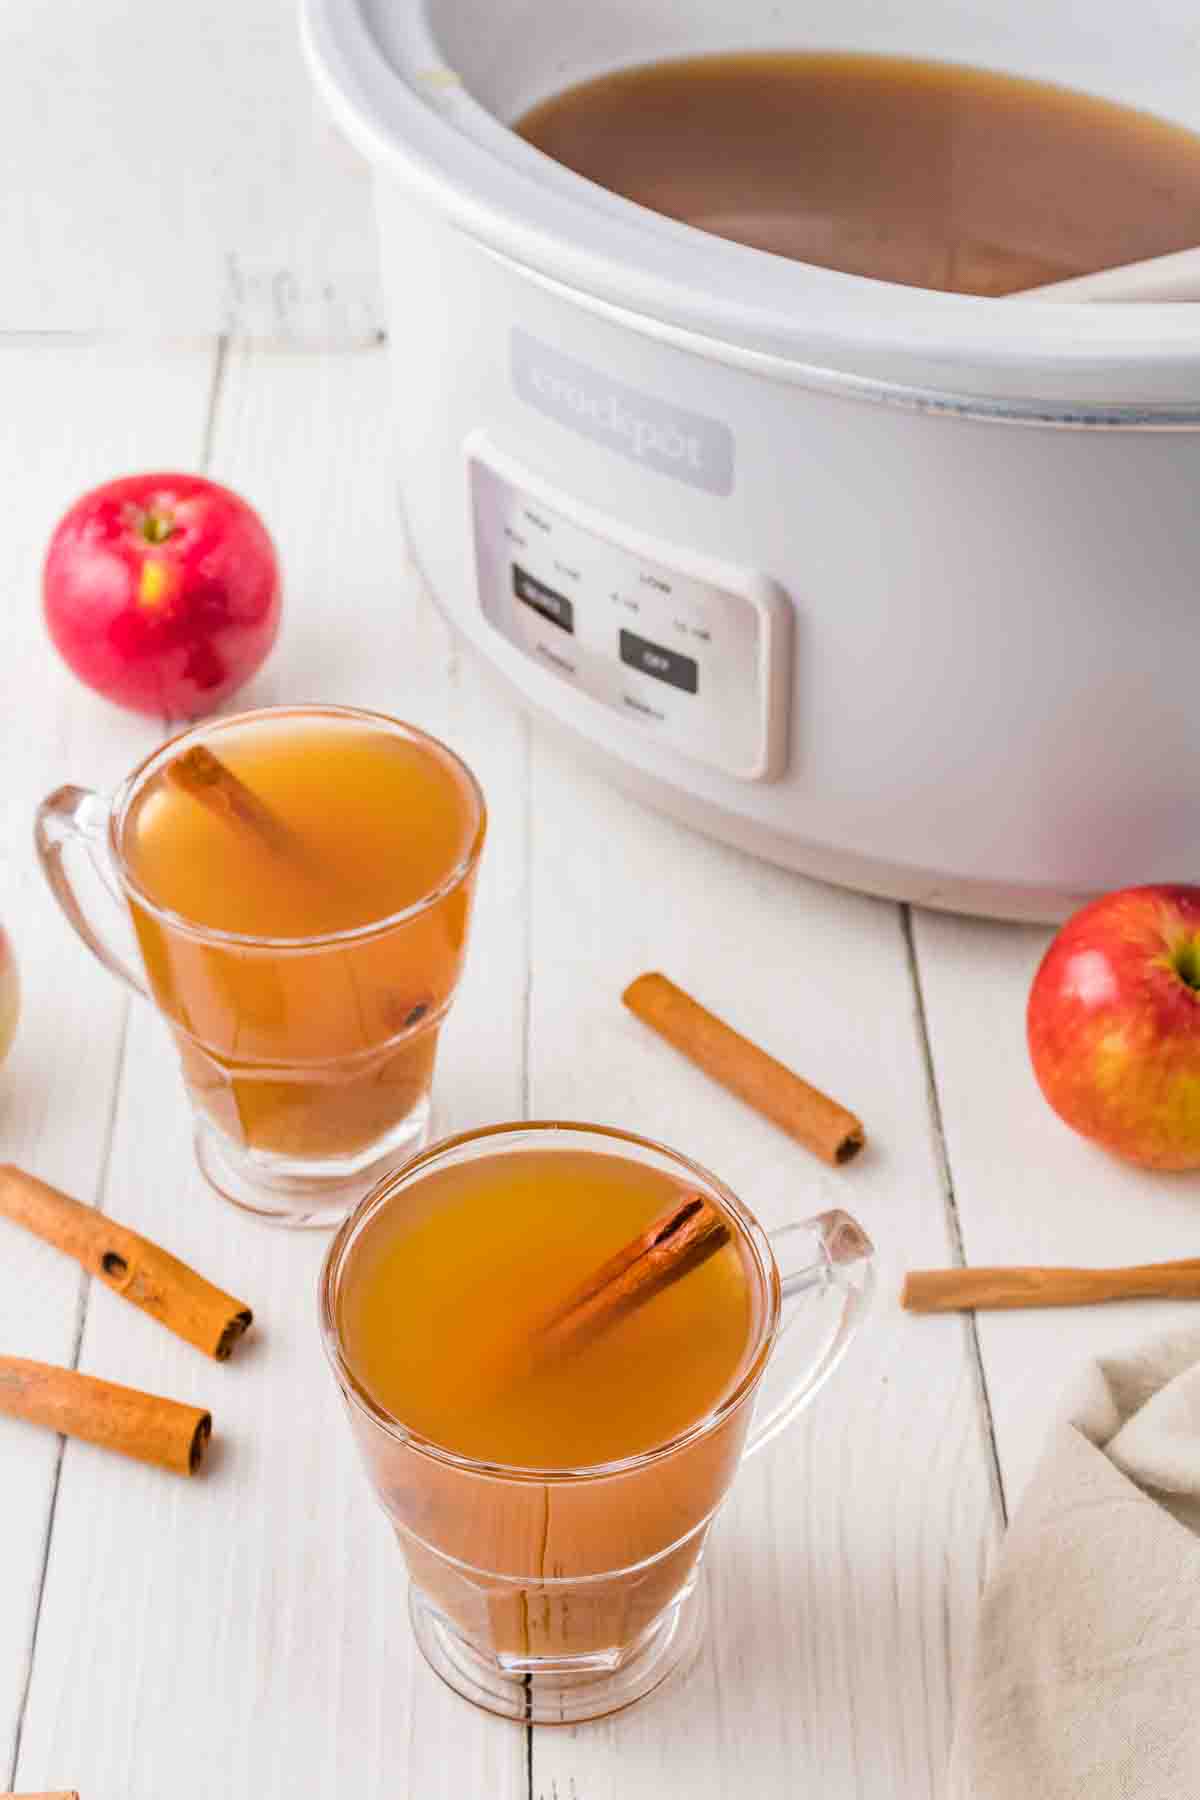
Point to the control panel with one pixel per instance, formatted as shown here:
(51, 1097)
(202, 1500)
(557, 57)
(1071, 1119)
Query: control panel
(692, 651)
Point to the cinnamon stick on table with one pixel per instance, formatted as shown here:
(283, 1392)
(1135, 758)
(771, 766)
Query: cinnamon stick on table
(132, 1266)
(965, 1290)
(803, 1111)
(58, 1794)
(145, 1426)
(677, 1242)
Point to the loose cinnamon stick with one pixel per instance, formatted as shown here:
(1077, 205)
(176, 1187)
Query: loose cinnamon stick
(673, 1245)
(965, 1290)
(132, 1266)
(145, 1426)
(803, 1111)
(203, 776)
(58, 1794)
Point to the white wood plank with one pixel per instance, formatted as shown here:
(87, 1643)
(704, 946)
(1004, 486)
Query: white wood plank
(843, 1578)
(176, 174)
(72, 416)
(247, 1633)
(1028, 1189)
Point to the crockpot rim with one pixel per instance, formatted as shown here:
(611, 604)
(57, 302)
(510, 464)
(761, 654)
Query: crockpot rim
(1056, 364)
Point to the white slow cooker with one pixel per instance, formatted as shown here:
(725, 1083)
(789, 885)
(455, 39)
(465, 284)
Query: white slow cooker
(897, 588)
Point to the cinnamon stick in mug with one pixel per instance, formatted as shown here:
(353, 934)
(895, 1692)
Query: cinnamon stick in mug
(815, 1120)
(213, 784)
(132, 1266)
(671, 1247)
(145, 1426)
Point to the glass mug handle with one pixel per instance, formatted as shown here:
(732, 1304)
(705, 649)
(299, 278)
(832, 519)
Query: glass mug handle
(831, 1256)
(77, 816)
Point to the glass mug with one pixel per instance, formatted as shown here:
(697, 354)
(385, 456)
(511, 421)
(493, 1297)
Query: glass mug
(552, 1596)
(307, 1059)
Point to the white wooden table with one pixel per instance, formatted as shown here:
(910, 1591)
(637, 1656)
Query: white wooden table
(246, 1633)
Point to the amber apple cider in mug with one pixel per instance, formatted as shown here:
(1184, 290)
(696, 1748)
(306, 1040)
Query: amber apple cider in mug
(480, 1390)
(445, 1315)
(300, 882)
(550, 1338)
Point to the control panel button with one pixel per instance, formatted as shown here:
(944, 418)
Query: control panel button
(665, 665)
(545, 600)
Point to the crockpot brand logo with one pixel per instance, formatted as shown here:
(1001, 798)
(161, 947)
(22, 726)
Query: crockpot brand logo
(687, 445)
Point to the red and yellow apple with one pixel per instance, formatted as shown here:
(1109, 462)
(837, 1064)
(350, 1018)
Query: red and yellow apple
(162, 592)
(1114, 1025)
(10, 995)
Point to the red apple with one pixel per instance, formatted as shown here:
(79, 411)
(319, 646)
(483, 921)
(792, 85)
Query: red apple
(162, 592)
(10, 995)
(1114, 1025)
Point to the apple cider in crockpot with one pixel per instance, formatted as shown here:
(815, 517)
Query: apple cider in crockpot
(930, 174)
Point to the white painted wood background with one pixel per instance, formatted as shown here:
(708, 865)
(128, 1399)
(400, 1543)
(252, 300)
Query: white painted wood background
(168, 168)
(246, 1633)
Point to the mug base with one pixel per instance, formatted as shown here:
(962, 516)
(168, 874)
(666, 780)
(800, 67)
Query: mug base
(554, 1693)
(301, 1194)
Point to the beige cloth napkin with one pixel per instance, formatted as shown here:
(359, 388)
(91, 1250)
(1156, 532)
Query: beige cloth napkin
(1085, 1682)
